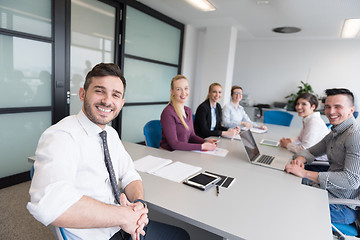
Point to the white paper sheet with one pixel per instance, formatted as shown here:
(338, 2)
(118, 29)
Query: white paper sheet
(150, 163)
(221, 152)
(177, 171)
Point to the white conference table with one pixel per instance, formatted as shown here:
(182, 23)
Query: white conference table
(261, 204)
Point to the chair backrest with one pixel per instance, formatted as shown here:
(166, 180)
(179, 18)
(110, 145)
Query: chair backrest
(278, 118)
(152, 133)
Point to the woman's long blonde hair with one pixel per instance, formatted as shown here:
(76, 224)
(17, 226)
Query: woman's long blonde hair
(176, 106)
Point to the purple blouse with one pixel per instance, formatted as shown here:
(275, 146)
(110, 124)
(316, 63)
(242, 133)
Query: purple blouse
(174, 135)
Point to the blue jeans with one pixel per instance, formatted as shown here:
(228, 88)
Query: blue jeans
(156, 231)
(342, 214)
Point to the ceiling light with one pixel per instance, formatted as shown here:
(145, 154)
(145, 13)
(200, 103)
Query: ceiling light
(350, 28)
(203, 5)
(286, 30)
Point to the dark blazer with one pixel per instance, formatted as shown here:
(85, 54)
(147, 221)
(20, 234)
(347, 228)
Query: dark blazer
(202, 123)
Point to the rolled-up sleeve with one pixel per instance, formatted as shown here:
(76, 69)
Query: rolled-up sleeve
(52, 191)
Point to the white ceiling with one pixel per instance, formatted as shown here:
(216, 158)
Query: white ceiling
(318, 19)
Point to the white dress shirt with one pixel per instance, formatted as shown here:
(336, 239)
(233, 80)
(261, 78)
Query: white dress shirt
(233, 116)
(69, 164)
(314, 129)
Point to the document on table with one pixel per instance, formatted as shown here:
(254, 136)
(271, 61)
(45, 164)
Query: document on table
(151, 164)
(221, 152)
(177, 171)
(236, 137)
(165, 168)
(255, 130)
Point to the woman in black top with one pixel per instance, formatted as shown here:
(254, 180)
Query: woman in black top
(209, 114)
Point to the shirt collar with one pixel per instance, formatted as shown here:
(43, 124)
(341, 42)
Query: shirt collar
(342, 127)
(89, 127)
(313, 115)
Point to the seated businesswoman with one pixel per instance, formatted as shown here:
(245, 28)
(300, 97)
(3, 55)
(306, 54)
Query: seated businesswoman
(209, 114)
(314, 129)
(234, 114)
(177, 121)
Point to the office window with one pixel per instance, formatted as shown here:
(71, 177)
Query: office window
(91, 42)
(25, 72)
(151, 38)
(147, 81)
(152, 59)
(136, 117)
(25, 79)
(19, 136)
(33, 17)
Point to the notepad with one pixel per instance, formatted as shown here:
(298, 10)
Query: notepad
(165, 168)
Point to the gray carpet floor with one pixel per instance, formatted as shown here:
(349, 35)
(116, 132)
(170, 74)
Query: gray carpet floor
(15, 220)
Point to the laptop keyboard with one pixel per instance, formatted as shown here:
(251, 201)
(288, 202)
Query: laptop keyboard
(265, 159)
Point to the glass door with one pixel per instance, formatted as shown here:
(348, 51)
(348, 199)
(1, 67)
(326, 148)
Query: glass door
(91, 42)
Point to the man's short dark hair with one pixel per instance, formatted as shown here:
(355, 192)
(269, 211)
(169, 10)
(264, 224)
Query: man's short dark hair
(102, 70)
(342, 91)
(311, 98)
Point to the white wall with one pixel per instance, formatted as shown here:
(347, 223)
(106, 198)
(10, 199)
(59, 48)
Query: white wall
(270, 70)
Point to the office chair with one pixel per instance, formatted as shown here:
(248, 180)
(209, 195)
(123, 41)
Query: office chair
(152, 133)
(278, 117)
(57, 231)
(346, 231)
(356, 114)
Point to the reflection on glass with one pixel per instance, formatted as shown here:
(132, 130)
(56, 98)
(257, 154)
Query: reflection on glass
(26, 16)
(134, 119)
(147, 82)
(25, 73)
(91, 42)
(21, 132)
(151, 38)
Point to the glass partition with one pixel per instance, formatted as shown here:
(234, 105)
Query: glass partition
(91, 42)
(151, 38)
(147, 82)
(25, 72)
(134, 119)
(19, 136)
(26, 16)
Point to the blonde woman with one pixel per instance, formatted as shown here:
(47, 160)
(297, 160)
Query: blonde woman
(177, 121)
(208, 116)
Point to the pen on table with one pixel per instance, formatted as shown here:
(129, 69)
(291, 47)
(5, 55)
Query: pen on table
(217, 190)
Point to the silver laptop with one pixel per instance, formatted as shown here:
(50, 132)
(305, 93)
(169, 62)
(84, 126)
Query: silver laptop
(253, 153)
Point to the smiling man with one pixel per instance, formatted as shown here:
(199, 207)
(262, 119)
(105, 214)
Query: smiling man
(79, 162)
(342, 146)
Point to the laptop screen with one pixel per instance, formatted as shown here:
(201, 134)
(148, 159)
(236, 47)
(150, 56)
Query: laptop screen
(250, 145)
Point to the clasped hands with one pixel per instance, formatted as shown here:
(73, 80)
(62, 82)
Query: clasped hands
(296, 167)
(136, 218)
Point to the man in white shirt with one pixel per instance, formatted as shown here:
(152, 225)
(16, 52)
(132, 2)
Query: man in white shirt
(71, 186)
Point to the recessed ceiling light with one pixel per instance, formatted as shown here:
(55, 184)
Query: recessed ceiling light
(261, 2)
(286, 30)
(203, 5)
(350, 28)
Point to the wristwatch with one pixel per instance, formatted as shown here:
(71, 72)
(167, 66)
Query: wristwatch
(142, 201)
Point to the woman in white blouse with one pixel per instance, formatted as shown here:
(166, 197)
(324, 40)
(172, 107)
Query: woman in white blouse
(314, 129)
(234, 114)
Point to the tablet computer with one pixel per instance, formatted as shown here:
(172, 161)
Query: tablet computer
(271, 143)
(202, 181)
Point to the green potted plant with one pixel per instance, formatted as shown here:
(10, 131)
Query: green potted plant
(304, 88)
